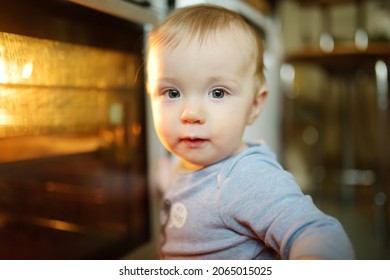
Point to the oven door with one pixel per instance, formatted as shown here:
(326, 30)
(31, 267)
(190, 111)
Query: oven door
(73, 168)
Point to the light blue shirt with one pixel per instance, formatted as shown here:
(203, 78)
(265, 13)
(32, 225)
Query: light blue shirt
(246, 207)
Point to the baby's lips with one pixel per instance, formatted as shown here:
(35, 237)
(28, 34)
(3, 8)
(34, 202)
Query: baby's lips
(193, 142)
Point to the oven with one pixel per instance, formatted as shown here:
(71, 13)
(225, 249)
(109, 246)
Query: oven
(73, 149)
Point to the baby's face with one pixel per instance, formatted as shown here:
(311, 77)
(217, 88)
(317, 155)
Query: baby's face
(202, 98)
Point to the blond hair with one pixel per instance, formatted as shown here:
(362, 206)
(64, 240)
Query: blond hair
(199, 22)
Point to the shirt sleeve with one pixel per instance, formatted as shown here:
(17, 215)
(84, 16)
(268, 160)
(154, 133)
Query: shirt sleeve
(263, 201)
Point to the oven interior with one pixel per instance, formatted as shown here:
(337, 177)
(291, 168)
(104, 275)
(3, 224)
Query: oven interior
(73, 181)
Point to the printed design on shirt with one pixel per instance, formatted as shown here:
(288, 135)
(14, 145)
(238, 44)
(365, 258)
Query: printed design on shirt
(178, 215)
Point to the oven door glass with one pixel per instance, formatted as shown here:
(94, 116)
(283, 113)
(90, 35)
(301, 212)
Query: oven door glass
(72, 134)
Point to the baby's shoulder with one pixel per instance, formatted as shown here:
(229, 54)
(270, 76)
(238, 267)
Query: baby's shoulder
(256, 158)
(256, 168)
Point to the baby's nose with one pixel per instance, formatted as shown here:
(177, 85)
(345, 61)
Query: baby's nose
(193, 113)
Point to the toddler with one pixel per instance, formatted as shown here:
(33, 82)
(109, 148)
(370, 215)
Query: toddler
(226, 199)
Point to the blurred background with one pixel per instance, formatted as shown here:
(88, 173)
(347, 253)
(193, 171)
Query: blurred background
(335, 122)
(78, 152)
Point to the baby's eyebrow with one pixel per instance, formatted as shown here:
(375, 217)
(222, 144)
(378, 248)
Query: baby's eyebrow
(170, 80)
(221, 78)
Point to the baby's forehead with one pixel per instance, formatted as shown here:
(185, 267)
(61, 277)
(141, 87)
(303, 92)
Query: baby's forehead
(234, 39)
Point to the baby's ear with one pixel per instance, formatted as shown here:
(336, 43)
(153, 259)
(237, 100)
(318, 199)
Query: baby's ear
(257, 105)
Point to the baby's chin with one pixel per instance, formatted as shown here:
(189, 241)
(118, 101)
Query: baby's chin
(188, 165)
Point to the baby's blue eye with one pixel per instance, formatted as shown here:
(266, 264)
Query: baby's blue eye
(172, 93)
(217, 93)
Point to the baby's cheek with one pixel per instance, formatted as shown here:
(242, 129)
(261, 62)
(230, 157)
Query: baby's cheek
(167, 132)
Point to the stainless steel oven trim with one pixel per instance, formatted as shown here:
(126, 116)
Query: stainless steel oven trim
(121, 9)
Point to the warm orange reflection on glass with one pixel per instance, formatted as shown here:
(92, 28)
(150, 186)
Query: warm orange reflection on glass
(55, 88)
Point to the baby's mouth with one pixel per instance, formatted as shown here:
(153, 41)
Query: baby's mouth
(193, 142)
